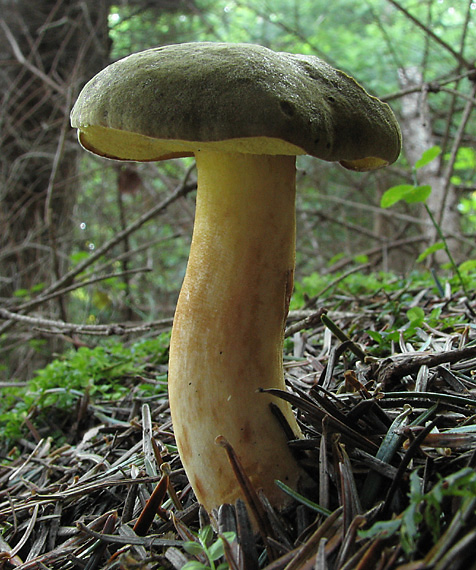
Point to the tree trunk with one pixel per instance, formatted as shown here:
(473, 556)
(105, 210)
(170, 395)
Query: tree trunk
(49, 49)
(417, 129)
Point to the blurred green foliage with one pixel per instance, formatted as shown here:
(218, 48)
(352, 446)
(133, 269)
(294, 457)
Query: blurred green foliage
(389, 300)
(371, 40)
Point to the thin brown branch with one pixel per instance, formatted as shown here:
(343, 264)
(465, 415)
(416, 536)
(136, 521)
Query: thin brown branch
(396, 367)
(454, 150)
(91, 281)
(433, 86)
(430, 33)
(52, 326)
(24, 61)
(67, 279)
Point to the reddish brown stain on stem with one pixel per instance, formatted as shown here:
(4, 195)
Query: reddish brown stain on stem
(289, 291)
(185, 448)
(198, 487)
(247, 434)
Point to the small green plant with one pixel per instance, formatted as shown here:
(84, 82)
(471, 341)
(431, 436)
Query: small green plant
(208, 550)
(358, 283)
(425, 513)
(414, 193)
(409, 327)
(101, 371)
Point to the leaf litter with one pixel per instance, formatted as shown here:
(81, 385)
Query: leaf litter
(388, 412)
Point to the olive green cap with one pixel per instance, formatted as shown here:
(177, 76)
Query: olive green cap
(172, 101)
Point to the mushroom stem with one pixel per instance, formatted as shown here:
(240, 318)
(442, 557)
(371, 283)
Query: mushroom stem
(228, 332)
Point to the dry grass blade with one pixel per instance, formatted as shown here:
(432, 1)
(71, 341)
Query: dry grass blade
(315, 415)
(152, 507)
(389, 447)
(349, 497)
(258, 511)
(392, 369)
(101, 546)
(312, 543)
(364, 447)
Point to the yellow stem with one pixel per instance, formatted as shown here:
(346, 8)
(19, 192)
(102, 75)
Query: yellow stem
(227, 337)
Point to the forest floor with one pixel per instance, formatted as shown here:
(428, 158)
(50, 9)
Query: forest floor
(384, 387)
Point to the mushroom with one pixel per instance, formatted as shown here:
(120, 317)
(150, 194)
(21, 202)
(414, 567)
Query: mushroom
(244, 112)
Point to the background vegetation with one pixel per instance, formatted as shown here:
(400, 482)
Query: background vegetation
(60, 205)
(380, 343)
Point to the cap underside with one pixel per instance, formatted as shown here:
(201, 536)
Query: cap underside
(175, 100)
(124, 145)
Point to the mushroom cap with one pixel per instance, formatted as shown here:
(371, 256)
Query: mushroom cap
(174, 100)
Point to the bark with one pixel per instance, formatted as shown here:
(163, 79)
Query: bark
(418, 136)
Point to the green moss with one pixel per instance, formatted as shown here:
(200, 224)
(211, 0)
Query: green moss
(101, 372)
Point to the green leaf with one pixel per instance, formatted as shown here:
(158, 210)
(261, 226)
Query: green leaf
(205, 535)
(216, 550)
(21, 293)
(375, 336)
(78, 257)
(428, 156)
(416, 315)
(468, 266)
(418, 194)
(411, 194)
(395, 194)
(335, 259)
(303, 500)
(430, 250)
(465, 159)
(195, 565)
(385, 528)
(362, 258)
(38, 287)
(193, 548)
(229, 536)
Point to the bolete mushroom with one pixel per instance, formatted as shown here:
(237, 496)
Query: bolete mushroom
(244, 112)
